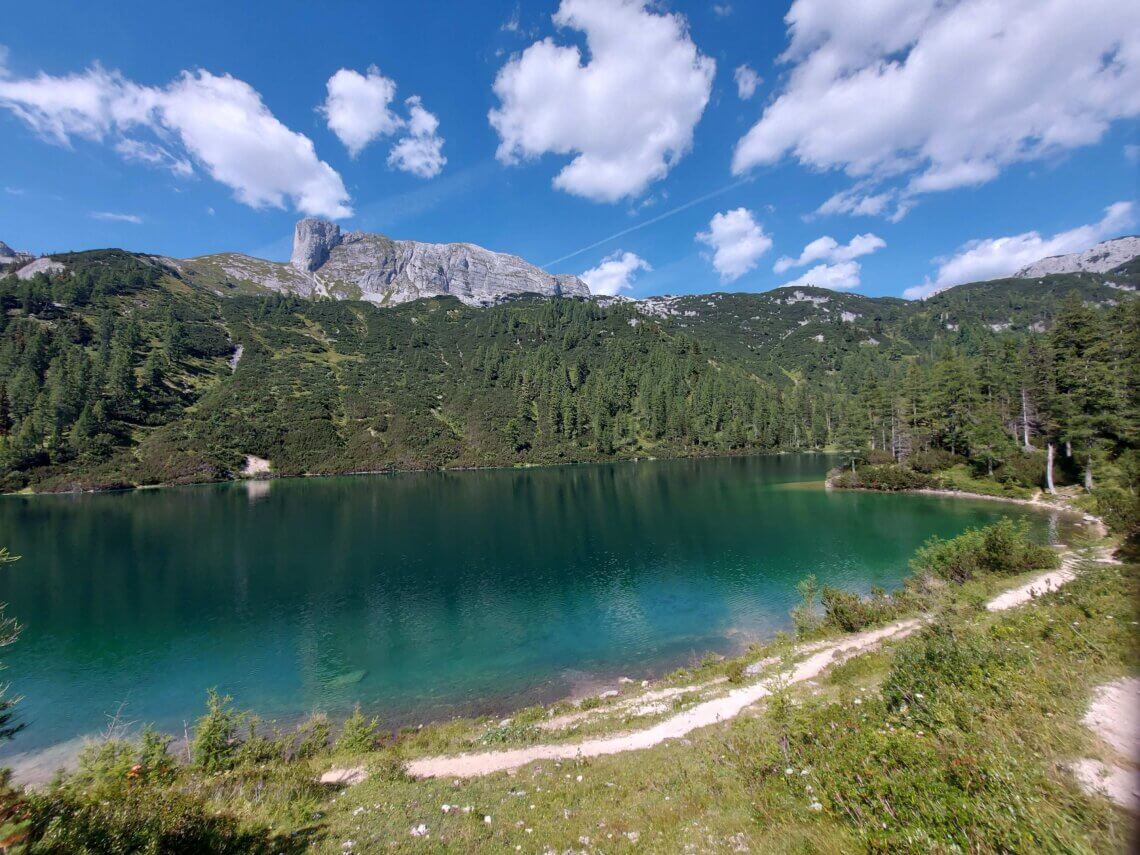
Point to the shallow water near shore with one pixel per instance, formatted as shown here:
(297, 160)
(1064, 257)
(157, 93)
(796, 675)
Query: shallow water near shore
(427, 595)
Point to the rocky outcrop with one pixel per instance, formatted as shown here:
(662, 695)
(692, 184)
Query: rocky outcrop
(13, 256)
(372, 267)
(1099, 259)
(40, 265)
(313, 240)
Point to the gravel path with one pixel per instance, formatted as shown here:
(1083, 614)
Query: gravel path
(821, 656)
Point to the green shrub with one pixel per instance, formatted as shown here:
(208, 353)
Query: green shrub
(155, 762)
(359, 734)
(261, 744)
(1003, 548)
(141, 819)
(104, 767)
(806, 616)
(933, 460)
(511, 732)
(313, 736)
(1024, 470)
(735, 671)
(215, 745)
(888, 477)
(1119, 509)
(849, 612)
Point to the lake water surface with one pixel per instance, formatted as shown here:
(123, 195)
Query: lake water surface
(430, 594)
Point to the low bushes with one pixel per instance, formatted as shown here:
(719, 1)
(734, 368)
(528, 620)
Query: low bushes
(1119, 509)
(124, 797)
(1026, 469)
(962, 749)
(888, 476)
(929, 462)
(1003, 549)
(848, 612)
(139, 819)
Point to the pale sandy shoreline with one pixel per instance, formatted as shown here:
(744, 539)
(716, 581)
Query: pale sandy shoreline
(724, 708)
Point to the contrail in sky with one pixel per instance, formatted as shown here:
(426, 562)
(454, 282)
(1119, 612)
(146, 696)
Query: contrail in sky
(650, 221)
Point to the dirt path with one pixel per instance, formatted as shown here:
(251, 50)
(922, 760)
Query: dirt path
(722, 708)
(702, 715)
(1114, 716)
(1037, 586)
(820, 655)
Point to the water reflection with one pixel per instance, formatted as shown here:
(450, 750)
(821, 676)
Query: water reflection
(423, 595)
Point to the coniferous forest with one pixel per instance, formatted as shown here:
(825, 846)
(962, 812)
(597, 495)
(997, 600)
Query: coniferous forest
(119, 371)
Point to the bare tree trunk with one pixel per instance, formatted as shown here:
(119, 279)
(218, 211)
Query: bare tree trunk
(1025, 419)
(1049, 471)
(1068, 449)
(1088, 474)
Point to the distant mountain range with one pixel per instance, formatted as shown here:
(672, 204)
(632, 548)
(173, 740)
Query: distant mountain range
(1105, 256)
(327, 262)
(121, 368)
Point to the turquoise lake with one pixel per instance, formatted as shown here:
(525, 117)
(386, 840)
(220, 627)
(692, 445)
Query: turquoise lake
(426, 595)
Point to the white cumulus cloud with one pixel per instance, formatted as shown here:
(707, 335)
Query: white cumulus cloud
(862, 200)
(358, 107)
(737, 241)
(993, 258)
(838, 277)
(420, 151)
(615, 274)
(827, 248)
(931, 95)
(217, 122)
(358, 110)
(626, 115)
(746, 81)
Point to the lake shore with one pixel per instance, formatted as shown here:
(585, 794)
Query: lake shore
(39, 765)
(1059, 502)
(259, 470)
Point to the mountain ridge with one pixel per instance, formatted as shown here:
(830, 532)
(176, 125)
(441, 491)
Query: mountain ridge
(121, 369)
(357, 265)
(1101, 258)
(360, 265)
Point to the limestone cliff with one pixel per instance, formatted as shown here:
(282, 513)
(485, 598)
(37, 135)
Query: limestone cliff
(1101, 258)
(372, 267)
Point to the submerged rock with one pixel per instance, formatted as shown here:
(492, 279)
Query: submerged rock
(348, 678)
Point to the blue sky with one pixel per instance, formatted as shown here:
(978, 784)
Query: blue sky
(971, 144)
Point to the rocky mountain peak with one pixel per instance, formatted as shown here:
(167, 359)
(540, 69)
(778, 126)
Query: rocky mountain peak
(375, 268)
(313, 240)
(1099, 259)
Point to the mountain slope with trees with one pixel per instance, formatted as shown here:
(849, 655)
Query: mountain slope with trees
(124, 370)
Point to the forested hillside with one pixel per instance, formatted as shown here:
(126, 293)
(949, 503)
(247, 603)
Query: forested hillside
(122, 370)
